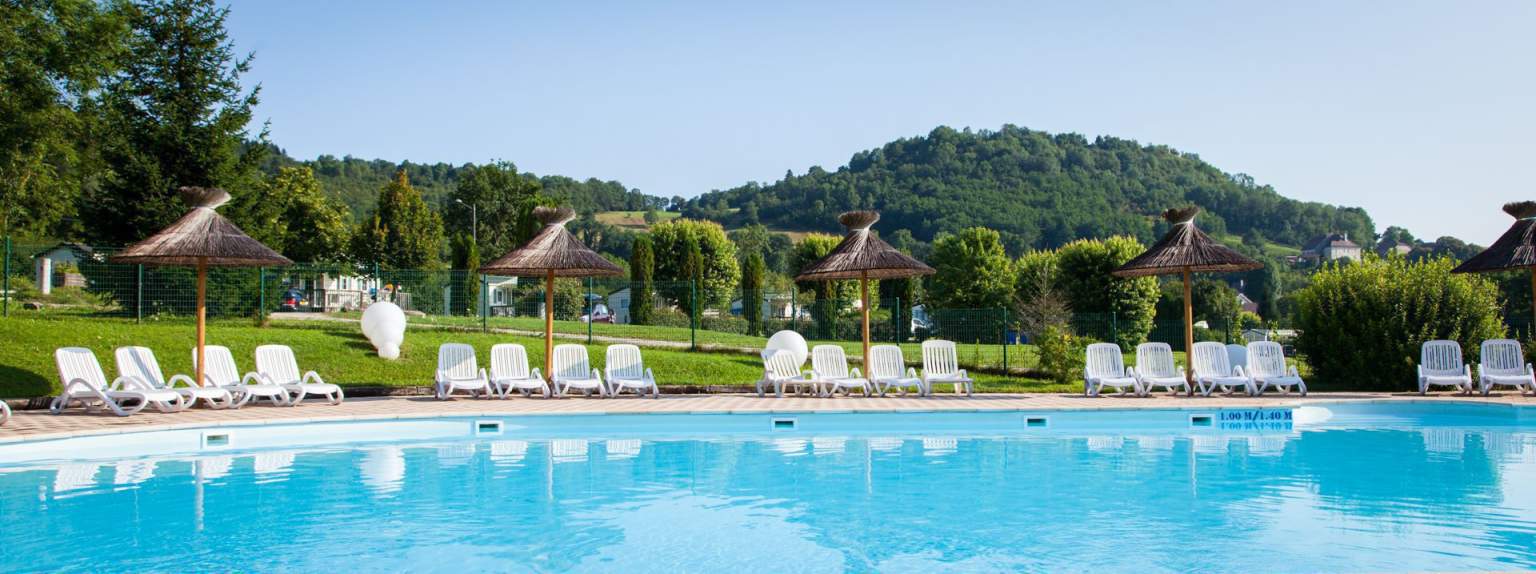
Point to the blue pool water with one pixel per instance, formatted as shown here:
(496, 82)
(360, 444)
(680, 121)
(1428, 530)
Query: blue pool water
(1338, 488)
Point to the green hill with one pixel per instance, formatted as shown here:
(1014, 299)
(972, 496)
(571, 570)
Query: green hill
(1039, 190)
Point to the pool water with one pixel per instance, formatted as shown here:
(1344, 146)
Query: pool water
(1346, 488)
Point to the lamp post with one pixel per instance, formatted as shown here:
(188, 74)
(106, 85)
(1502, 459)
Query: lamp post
(474, 221)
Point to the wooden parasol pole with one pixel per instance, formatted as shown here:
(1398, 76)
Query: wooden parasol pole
(864, 308)
(549, 328)
(202, 315)
(1189, 337)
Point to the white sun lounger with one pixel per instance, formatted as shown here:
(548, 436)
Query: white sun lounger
(1503, 364)
(457, 370)
(277, 366)
(573, 370)
(1105, 367)
(1155, 368)
(221, 372)
(1267, 368)
(1440, 364)
(140, 363)
(1213, 370)
(829, 366)
(941, 365)
(1237, 356)
(5, 412)
(509, 371)
(624, 369)
(888, 369)
(85, 384)
(780, 369)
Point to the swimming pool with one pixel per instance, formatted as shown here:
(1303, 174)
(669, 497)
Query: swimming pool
(1336, 487)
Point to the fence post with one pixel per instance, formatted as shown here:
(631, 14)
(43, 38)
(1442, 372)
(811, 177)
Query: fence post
(896, 332)
(693, 314)
(7, 271)
(261, 284)
(138, 295)
(794, 308)
(1114, 327)
(1006, 342)
(591, 311)
(485, 302)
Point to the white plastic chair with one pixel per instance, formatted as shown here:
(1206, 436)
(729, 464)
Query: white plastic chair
(574, 371)
(1237, 356)
(888, 369)
(509, 371)
(140, 363)
(941, 364)
(829, 366)
(457, 370)
(5, 412)
(625, 369)
(1503, 363)
(221, 372)
(1267, 368)
(1105, 367)
(1440, 364)
(780, 369)
(1155, 368)
(276, 365)
(84, 383)
(1213, 370)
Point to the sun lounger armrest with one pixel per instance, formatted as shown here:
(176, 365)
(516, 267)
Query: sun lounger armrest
(856, 374)
(1130, 372)
(484, 376)
(186, 380)
(536, 374)
(650, 376)
(246, 380)
(1294, 373)
(911, 372)
(129, 383)
(313, 376)
(597, 375)
(1238, 372)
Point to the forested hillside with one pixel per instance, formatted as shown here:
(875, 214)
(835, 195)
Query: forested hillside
(1039, 190)
(356, 182)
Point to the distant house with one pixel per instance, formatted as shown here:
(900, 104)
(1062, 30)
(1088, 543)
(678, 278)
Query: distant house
(501, 292)
(1388, 248)
(330, 292)
(1330, 247)
(1247, 304)
(618, 304)
(1280, 335)
(64, 253)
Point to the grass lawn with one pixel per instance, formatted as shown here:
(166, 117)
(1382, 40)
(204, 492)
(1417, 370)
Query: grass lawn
(633, 220)
(338, 352)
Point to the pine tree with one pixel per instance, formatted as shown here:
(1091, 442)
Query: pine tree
(466, 267)
(642, 272)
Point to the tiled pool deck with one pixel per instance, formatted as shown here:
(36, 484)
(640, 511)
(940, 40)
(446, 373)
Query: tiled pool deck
(37, 424)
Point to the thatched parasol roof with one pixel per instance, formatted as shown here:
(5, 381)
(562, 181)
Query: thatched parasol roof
(1516, 249)
(202, 236)
(552, 249)
(1185, 248)
(861, 254)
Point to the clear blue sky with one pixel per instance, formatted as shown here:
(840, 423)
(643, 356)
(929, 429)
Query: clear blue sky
(1421, 112)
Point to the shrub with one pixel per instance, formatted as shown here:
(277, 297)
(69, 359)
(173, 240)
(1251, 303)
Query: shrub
(1083, 271)
(1061, 354)
(1362, 324)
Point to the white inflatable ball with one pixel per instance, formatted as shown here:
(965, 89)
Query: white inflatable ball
(789, 341)
(384, 325)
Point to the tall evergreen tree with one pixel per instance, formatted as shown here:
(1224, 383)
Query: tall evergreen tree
(402, 232)
(466, 278)
(176, 115)
(642, 270)
(752, 292)
(691, 270)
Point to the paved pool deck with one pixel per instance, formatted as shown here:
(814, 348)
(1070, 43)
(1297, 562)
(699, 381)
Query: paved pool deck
(40, 424)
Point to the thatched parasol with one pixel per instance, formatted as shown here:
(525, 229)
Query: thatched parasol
(1185, 250)
(202, 238)
(1516, 249)
(863, 256)
(553, 252)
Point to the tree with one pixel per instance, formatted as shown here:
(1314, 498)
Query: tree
(402, 232)
(651, 217)
(465, 264)
(1213, 301)
(175, 116)
(294, 216)
(718, 273)
(642, 269)
(972, 271)
(54, 55)
(1038, 301)
(1084, 268)
(773, 247)
(752, 292)
(501, 199)
(1382, 311)
(690, 272)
